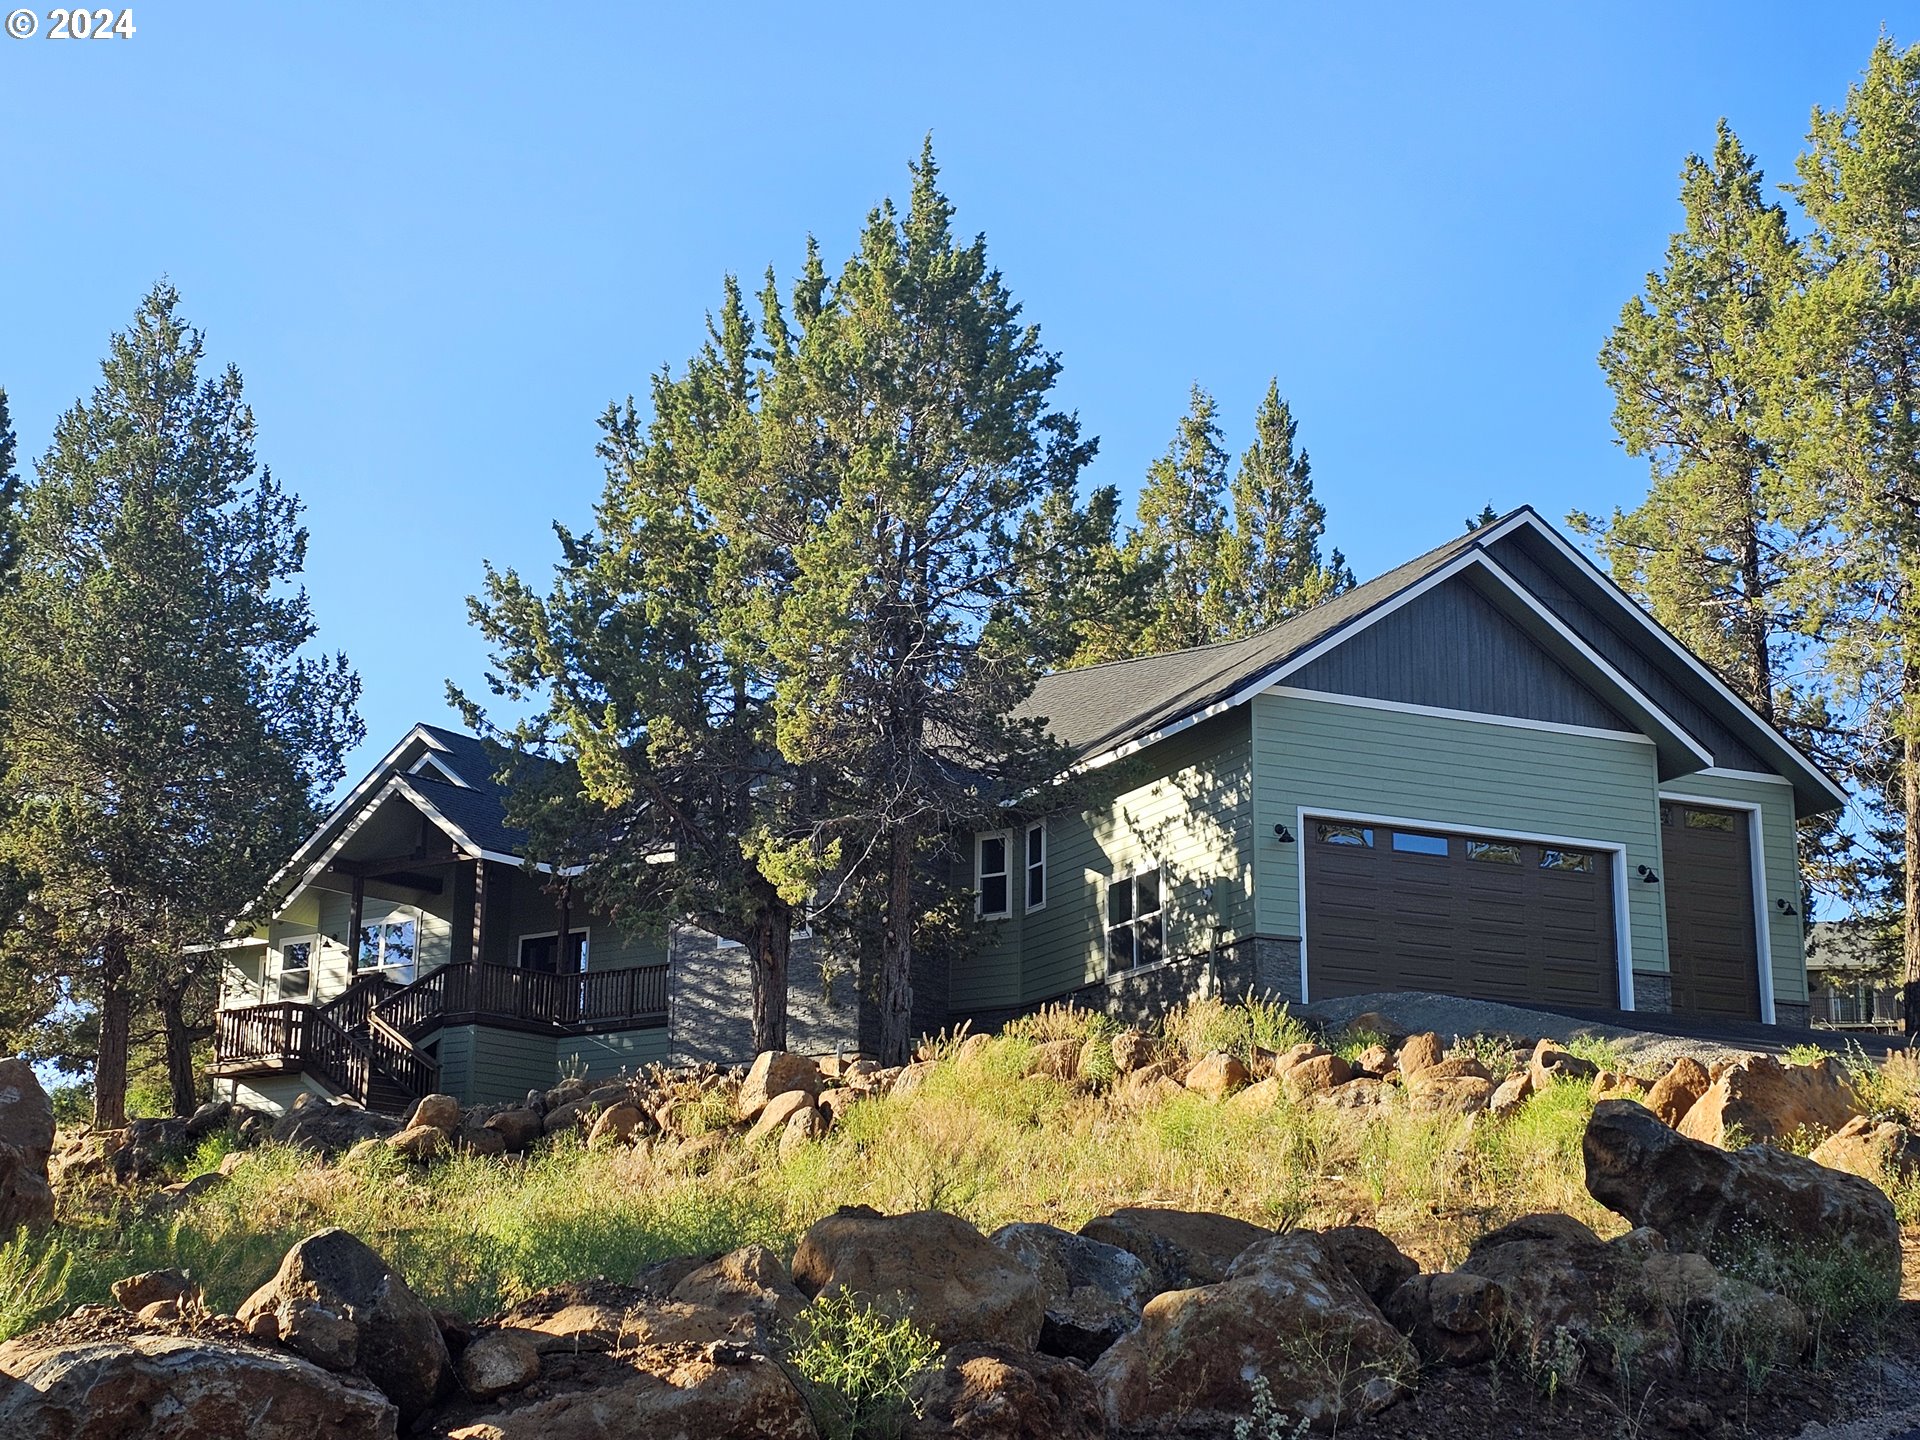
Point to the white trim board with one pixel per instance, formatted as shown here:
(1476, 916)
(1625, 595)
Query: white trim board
(1622, 914)
(1756, 882)
(1479, 717)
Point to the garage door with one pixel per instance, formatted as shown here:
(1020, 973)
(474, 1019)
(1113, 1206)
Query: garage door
(1710, 934)
(1463, 914)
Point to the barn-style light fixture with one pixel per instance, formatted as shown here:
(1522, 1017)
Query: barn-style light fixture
(1647, 877)
(1786, 907)
(1283, 835)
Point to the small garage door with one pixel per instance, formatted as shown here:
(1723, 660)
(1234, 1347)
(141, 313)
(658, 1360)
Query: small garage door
(1463, 914)
(1710, 925)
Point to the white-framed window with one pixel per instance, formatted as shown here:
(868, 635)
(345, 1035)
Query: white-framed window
(1136, 919)
(993, 875)
(1036, 894)
(389, 946)
(293, 968)
(542, 952)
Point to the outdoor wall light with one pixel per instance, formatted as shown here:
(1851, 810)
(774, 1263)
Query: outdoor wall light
(1786, 907)
(1283, 835)
(1647, 877)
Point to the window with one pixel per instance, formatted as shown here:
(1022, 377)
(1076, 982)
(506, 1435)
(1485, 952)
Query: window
(992, 876)
(388, 946)
(1136, 929)
(1408, 843)
(1491, 852)
(1331, 834)
(1709, 820)
(1037, 865)
(1578, 861)
(542, 952)
(296, 969)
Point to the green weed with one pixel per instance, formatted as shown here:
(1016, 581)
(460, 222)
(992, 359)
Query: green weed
(33, 1281)
(859, 1363)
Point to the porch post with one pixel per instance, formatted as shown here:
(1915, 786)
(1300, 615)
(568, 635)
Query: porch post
(479, 932)
(568, 961)
(354, 909)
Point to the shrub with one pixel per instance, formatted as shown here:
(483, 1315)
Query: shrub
(1201, 1027)
(33, 1281)
(859, 1363)
(1844, 1293)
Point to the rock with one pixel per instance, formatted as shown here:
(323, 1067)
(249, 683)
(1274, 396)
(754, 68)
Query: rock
(361, 1152)
(776, 1072)
(1180, 1248)
(775, 1114)
(1448, 1095)
(715, 1393)
(1675, 1092)
(1295, 1054)
(568, 1092)
(1260, 1096)
(1375, 1060)
(750, 1281)
(906, 1080)
(658, 1279)
(440, 1111)
(1217, 1075)
(568, 1115)
(1451, 1319)
(208, 1118)
(1552, 1062)
(803, 1127)
(989, 1392)
(472, 1139)
(1056, 1059)
(1743, 1319)
(833, 1104)
(1290, 1313)
(957, 1285)
(1373, 1260)
(619, 1123)
(337, 1302)
(173, 1287)
(519, 1127)
(1510, 1094)
(498, 1363)
(1760, 1099)
(1460, 1067)
(1356, 1094)
(1094, 1291)
(598, 1316)
(1131, 1051)
(1315, 1074)
(26, 1145)
(1418, 1052)
(167, 1387)
(1883, 1151)
(331, 1128)
(1726, 1204)
(420, 1143)
(607, 1096)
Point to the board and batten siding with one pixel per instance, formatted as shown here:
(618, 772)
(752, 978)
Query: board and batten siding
(1786, 937)
(1187, 803)
(1322, 754)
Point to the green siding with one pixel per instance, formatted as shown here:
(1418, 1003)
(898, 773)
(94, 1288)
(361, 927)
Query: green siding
(505, 1064)
(1187, 803)
(1449, 773)
(1785, 933)
(533, 911)
(597, 1055)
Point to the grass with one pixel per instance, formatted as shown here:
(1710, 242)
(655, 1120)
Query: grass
(33, 1281)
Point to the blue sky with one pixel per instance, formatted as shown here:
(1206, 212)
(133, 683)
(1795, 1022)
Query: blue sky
(438, 238)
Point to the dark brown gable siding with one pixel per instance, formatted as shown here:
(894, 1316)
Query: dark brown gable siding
(1453, 649)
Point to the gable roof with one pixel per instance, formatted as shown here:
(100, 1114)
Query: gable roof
(1104, 712)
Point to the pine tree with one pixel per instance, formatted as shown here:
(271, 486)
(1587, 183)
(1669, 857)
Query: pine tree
(1269, 567)
(924, 401)
(1182, 527)
(1083, 598)
(162, 739)
(9, 497)
(1715, 550)
(1485, 518)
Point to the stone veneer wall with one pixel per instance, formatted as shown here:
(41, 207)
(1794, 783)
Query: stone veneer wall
(710, 1001)
(1652, 992)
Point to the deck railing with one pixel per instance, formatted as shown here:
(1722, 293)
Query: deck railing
(298, 1036)
(597, 1000)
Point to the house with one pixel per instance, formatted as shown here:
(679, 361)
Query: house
(1853, 977)
(1487, 773)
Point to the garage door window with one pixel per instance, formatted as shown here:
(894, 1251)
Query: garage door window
(1578, 861)
(1408, 843)
(1493, 852)
(1136, 933)
(1331, 834)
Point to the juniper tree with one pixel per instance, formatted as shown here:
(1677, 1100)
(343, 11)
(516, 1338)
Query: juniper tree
(1083, 597)
(1182, 528)
(9, 495)
(163, 739)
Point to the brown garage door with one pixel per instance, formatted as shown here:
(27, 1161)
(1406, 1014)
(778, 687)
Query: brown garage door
(1399, 909)
(1709, 885)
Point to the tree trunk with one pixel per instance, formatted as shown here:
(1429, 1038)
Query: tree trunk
(1755, 638)
(1910, 804)
(181, 1081)
(770, 945)
(110, 1063)
(896, 954)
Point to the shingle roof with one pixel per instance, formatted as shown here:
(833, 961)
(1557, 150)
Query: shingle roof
(1094, 709)
(480, 810)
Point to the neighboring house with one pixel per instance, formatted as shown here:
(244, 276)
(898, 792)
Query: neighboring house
(1853, 977)
(1485, 773)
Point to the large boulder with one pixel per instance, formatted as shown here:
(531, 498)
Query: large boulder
(1553, 1062)
(775, 1114)
(499, 1363)
(1419, 1052)
(339, 1304)
(1291, 1313)
(1180, 1248)
(748, 1281)
(956, 1284)
(1730, 1205)
(519, 1127)
(1760, 1099)
(1677, 1091)
(1094, 1291)
(1452, 1319)
(1217, 1075)
(1371, 1258)
(166, 1387)
(775, 1072)
(988, 1392)
(331, 1127)
(440, 1111)
(590, 1316)
(26, 1143)
(1882, 1151)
